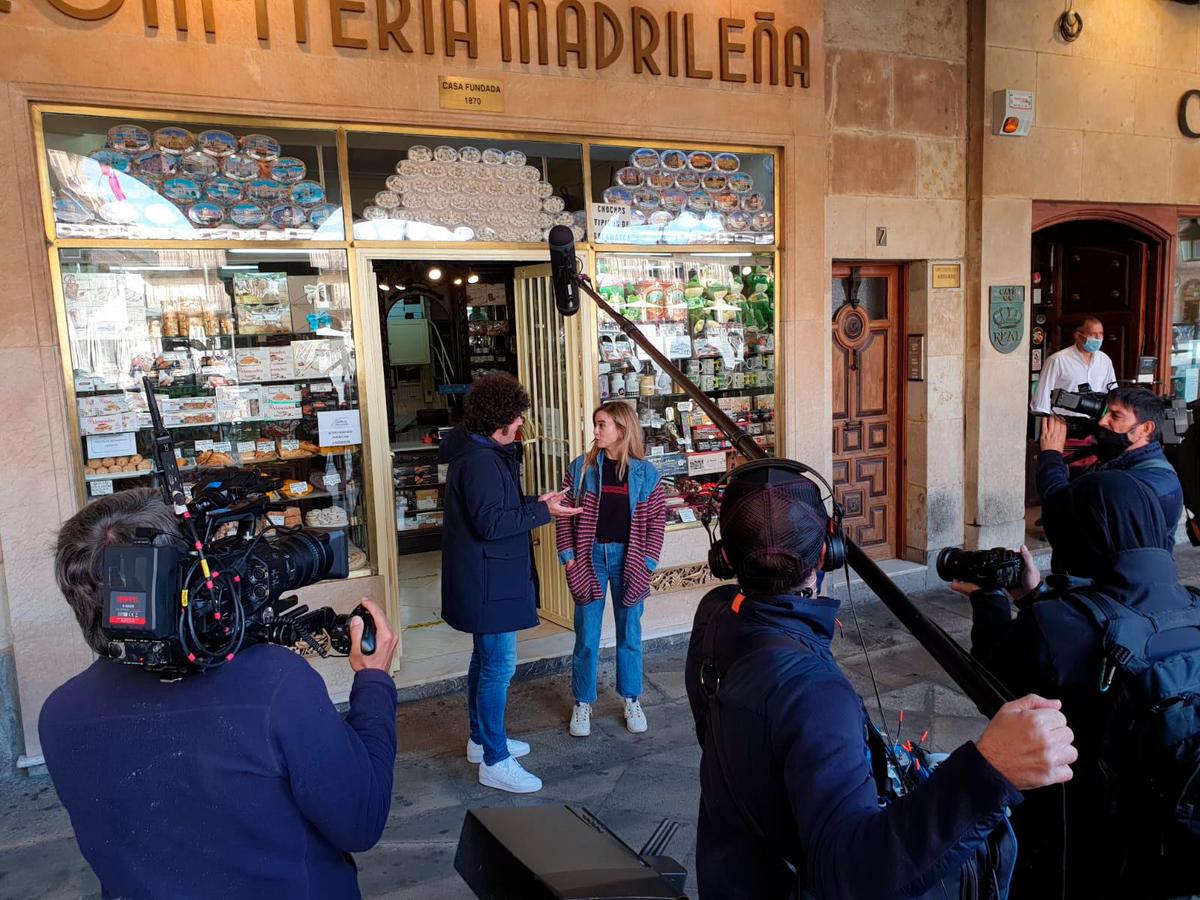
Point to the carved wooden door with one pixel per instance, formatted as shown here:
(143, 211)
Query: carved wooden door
(866, 400)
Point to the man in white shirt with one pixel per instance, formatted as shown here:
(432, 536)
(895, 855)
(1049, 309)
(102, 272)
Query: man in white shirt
(1082, 363)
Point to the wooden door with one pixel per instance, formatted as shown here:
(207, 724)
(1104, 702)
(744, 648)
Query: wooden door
(549, 352)
(866, 404)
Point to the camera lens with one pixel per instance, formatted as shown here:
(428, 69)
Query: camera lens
(948, 566)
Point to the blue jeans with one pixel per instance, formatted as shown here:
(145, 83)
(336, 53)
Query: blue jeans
(608, 561)
(493, 662)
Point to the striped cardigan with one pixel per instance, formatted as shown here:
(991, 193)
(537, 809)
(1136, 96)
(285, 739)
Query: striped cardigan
(576, 536)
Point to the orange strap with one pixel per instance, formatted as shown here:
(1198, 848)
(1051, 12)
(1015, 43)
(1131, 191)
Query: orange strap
(737, 602)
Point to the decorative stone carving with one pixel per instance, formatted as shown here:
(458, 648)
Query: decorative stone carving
(682, 578)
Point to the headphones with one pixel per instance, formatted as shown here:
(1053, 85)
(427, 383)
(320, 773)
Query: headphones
(835, 542)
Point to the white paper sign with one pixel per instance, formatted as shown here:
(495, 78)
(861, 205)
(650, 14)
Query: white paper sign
(222, 447)
(687, 514)
(102, 445)
(201, 446)
(338, 427)
(245, 447)
(706, 463)
(102, 487)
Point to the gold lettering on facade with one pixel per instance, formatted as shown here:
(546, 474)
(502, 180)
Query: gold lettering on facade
(579, 46)
(795, 56)
(725, 29)
(427, 26)
(524, 8)
(690, 69)
(453, 36)
(643, 53)
(83, 13)
(764, 29)
(607, 23)
(673, 43)
(338, 27)
(392, 29)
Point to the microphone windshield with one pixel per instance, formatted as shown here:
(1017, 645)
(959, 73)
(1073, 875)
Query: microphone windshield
(561, 241)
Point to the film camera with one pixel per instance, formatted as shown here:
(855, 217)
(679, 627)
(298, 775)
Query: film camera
(994, 569)
(177, 605)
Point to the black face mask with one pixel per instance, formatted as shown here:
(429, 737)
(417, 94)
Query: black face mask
(1111, 444)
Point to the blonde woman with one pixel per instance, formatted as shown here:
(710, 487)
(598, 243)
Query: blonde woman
(612, 547)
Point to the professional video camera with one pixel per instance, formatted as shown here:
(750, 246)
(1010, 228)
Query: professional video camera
(994, 569)
(177, 605)
(1085, 408)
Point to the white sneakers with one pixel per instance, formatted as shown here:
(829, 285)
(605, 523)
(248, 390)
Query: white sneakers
(509, 775)
(581, 720)
(635, 719)
(475, 751)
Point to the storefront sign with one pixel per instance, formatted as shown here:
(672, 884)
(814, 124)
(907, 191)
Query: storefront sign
(337, 428)
(1006, 316)
(916, 357)
(470, 94)
(1185, 105)
(947, 276)
(571, 34)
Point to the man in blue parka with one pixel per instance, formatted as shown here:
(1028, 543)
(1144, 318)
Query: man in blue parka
(787, 795)
(489, 585)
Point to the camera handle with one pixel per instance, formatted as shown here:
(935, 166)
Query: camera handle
(983, 688)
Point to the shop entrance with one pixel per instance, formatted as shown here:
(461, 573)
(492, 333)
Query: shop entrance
(866, 404)
(444, 322)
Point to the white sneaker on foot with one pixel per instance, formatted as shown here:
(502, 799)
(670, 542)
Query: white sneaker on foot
(509, 775)
(635, 719)
(581, 720)
(516, 749)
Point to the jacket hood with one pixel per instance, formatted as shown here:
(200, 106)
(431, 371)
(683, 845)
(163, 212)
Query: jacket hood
(453, 445)
(460, 442)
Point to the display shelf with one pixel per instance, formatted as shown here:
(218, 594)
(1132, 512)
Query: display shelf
(121, 476)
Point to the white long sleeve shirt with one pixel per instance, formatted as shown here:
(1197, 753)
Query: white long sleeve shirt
(1067, 369)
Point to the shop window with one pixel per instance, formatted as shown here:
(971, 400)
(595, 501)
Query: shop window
(1185, 319)
(714, 315)
(642, 195)
(251, 354)
(455, 189)
(150, 179)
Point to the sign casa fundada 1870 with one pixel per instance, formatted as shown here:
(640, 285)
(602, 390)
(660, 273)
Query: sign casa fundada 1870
(566, 34)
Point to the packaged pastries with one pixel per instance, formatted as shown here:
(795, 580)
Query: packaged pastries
(214, 458)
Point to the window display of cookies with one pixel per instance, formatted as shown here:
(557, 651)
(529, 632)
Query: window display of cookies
(117, 465)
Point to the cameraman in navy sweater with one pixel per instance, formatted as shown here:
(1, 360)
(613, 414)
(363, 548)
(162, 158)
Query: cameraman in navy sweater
(241, 782)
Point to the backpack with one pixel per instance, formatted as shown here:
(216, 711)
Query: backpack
(987, 867)
(1147, 783)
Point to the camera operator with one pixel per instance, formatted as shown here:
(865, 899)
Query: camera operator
(788, 797)
(1129, 440)
(239, 782)
(1056, 647)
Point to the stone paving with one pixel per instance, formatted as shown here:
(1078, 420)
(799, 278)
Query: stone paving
(630, 781)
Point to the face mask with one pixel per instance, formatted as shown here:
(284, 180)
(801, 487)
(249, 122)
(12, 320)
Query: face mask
(1091, 345)
(1111, 444)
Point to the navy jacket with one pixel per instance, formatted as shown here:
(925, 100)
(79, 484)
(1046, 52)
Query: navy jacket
(488, 581)
(242, 783)
(1147, 464)
(793, 738)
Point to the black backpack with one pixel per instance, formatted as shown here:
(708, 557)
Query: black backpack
(1147, 784)
(988, 860)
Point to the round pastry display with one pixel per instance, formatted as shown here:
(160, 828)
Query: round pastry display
(661, 217)
(307, 194)
(739, 220)
(216, 142)
(262, 147)
(726, 200)
(114, 159)
(674, 201)
(374, 212)
(206, 214)
(288, 215)
(175, 140)
(741, 183)
(700, 202)
(762, 221)
(713, 182)
(700, 160)
(153, 165)
(687, 180)
(660, 179)
(754, 202)
(727, 162)
(198, 165)
(241, 168)
(445, 153)
(130, 138)
(320, 214)
(514, 158)
(645, 158)
(553, 204)
(387, 200)
(223, 190)
(420, 153)
(492, 157)
(647, 199)
(470, 154)
(630, 177)
(288, 170)
(673, 160)
(181, 190)
(618, 196)
(247, 215)
(266, 190)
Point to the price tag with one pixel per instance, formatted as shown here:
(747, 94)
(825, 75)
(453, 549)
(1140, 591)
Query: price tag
(245, 447)
(102, 487)
(265, 446)
(332, 480)
(684, 406)
(201, 446)
(443, 472)
(222, 446)
(657, 450)
(178, 453)
(687, 514)
(289, 444)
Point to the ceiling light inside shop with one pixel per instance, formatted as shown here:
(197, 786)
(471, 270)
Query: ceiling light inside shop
(435, 274)
(458, 281)
(384, 287)
(472, 279)
(401, 287)
(746, 270)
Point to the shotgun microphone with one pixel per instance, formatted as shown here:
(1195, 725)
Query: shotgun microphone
(563, 269)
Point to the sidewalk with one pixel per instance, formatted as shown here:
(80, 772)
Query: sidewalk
(630, 781)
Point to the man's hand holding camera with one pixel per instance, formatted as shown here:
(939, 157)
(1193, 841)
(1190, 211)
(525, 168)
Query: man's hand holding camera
(1031, 577)
(1054, 434)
